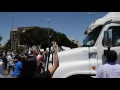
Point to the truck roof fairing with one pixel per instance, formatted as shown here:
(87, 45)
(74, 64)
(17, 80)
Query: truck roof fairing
(110, 17)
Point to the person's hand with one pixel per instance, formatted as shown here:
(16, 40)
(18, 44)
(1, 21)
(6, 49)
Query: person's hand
(54, 45)
(46, 51)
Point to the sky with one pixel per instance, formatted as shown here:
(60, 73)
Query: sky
(72, 24)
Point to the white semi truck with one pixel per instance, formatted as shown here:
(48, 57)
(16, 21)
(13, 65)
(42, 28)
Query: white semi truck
(84, 61)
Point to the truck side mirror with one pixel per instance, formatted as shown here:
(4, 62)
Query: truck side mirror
(83, 41)
(107, 40)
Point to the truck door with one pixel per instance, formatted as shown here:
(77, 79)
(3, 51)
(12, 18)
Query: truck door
(91, 41)
(115, 42)
(93, 60)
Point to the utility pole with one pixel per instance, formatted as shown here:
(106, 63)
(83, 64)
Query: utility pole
(48, 20)
(12, 34)
(49, 43)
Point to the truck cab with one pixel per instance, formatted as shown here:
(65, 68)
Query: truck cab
(84, 61)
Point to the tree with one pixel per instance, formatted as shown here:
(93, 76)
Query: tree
(0, 38)
(39, 36)
(7, 46)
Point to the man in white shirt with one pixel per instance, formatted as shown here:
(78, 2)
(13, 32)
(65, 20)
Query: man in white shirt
(10, 63)
(38, 59)
(110, 69)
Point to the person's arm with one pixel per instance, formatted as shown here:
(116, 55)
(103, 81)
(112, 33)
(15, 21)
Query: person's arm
(49, 73)
(41, 62)
(42, 57)
(15, 60)
(44, 53)
(56, 60)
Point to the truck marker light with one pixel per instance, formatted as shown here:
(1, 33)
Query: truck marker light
(93, 67)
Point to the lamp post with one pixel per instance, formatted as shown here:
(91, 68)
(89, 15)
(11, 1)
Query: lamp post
(12, 34)
(48, 20)
(49, 43)
(95, 14)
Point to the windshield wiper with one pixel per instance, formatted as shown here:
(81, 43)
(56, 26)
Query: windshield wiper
(86, 46)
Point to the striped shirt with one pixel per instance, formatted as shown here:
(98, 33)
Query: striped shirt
(109, 71)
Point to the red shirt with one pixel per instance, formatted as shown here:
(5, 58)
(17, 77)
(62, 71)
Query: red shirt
(41, 59)
(35, 53)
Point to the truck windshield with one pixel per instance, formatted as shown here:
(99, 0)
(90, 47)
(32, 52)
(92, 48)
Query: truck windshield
(91, 38)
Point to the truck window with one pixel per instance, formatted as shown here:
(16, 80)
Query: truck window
(91, 38)
(115, 36)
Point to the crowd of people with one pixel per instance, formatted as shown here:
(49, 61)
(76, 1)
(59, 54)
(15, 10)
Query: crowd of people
(29, 64)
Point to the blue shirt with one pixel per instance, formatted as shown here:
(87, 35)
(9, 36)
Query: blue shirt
(17, 69)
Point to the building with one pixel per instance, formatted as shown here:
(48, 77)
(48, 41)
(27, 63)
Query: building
(1, 46)
(15, 37)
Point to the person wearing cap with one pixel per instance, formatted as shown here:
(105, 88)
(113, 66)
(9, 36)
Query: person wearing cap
(110, 69)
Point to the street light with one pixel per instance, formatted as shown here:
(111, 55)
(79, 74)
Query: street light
(48, 20)
(49, 43)
(95, 14)
(12, 34)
